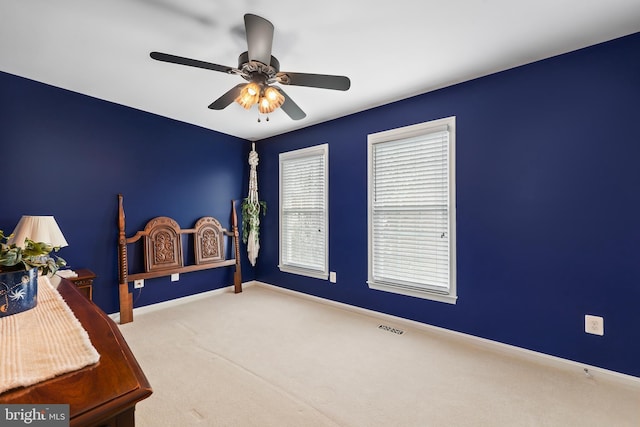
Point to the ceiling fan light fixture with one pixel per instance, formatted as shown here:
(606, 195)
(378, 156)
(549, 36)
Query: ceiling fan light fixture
(265, 106)
(249, 95)
(274, 96)
(270, 100)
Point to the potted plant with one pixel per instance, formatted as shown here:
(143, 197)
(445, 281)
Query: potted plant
(19, 268)
(251, 225)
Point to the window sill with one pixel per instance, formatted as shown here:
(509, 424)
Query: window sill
(304, 272)
(424, 294)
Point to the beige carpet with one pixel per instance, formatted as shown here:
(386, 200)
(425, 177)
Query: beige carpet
(266, 358)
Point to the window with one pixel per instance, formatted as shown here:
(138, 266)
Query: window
(304, 211)
(411, 210)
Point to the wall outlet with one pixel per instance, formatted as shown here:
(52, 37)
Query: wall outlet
(137, 284)
(594, 325)
(175, 277)
(332, 276)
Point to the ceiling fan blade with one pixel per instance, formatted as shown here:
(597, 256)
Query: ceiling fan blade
(323, 81)
(165, 57)
(290, 107)
(259, 38)
(226, 99)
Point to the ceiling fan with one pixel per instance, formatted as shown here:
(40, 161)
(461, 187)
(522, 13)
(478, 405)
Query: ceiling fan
(261, 70)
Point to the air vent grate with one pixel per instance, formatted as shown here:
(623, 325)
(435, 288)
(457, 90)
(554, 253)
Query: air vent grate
(391, 329)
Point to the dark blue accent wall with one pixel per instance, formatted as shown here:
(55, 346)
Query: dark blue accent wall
(548, 204)
(547, 179)
(69, 155)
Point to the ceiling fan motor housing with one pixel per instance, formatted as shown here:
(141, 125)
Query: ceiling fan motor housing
(253, 70)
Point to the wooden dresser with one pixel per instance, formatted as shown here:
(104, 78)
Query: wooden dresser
(104, 394)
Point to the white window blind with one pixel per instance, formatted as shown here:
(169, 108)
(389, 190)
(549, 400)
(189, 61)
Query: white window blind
(303, 211)
(410, 210)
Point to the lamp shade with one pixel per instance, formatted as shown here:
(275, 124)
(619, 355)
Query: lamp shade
(39, 229)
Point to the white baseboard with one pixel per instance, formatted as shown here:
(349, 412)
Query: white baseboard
(522, 353)
(178, 301)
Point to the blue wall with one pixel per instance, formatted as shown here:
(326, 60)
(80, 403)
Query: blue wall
(69, 155)
(547, 180)
(548, 205)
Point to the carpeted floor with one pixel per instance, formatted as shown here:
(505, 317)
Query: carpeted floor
(266, 358)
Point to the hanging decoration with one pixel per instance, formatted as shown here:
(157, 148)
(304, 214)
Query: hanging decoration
(251, 208)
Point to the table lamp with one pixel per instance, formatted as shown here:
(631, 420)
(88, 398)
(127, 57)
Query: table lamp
(39, 229)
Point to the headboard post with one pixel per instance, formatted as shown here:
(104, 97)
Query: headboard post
(237, 275)
(126, 298)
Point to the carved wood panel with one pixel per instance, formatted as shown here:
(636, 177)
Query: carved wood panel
(162, 245)
(208, 240)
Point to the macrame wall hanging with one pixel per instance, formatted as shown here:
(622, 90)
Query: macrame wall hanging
(251, 208)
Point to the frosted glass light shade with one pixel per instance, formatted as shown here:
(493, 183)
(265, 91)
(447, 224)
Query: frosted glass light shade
(39, 229)
(249, 95)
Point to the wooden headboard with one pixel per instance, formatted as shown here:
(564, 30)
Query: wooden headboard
(163, 251)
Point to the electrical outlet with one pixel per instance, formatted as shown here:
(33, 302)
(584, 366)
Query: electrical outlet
(332, 276)
(594, 324)
(175, 277)
(137, 284)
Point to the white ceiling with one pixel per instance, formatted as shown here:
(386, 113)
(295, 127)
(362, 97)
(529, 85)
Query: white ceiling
(389, 49)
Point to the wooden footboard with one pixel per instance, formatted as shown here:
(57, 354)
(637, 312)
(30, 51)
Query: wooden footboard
(163, 251)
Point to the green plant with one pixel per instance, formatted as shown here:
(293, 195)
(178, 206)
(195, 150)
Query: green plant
(34, 254)
(251, 218)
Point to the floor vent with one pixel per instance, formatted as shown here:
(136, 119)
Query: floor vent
(390, 329)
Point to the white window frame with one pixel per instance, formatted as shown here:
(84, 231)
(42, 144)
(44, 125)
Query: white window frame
(420, 290)
(285, 265)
